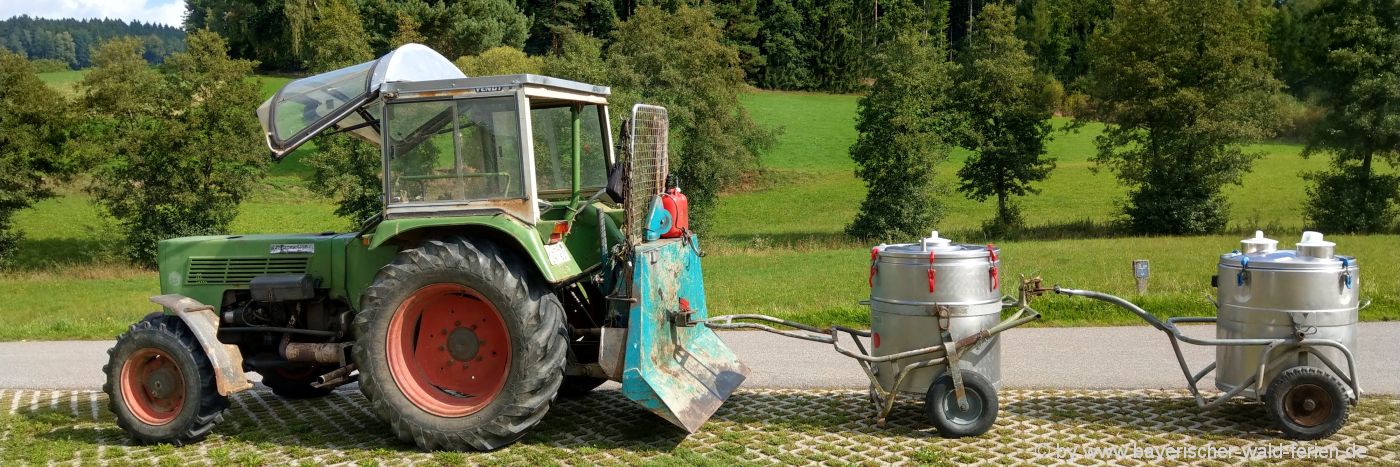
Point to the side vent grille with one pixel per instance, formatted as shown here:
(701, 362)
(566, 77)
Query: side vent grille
(238, 271)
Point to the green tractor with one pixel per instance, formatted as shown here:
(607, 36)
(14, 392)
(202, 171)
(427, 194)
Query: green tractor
(516, 259)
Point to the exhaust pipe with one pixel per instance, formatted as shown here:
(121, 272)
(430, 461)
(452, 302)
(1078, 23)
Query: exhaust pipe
(328, 353)
(338, 377)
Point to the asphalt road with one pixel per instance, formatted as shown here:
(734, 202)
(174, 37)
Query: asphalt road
(1093, 358)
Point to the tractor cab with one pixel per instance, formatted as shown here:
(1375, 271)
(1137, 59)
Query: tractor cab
(454, 145)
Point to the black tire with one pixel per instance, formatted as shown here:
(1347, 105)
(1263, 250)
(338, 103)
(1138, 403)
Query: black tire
(532, 317)
(1307, 403)
(940, 403)
(579, 385)
(295, 382)
(201, 406)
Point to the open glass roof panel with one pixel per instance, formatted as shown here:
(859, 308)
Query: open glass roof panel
(346, 99)
(305, 101)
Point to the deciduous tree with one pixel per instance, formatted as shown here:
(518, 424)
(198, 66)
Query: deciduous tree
(349, 171)
(34, 128)
(1356, 62)
(180, 147)
(676, 59)
(1180, 85)
(904, 124)
(336, 37)
(1007, 116)
(501, 60)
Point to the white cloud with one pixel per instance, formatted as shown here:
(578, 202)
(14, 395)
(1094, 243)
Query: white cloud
(170, 12)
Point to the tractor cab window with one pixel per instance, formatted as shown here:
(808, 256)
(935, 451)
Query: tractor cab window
(454, 150)
(553, 128)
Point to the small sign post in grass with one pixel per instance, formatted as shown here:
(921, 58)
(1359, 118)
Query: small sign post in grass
(1140, 272)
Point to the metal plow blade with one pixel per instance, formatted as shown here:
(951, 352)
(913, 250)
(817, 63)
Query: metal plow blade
(681, 373)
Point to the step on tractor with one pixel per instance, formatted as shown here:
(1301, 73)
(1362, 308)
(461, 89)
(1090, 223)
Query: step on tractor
(520, 255)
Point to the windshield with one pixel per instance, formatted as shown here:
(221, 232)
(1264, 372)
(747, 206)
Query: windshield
(306, 101)
(453, 151)
(553, 128)
(346, 99)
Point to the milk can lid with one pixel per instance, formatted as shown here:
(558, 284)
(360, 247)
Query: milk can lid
(939, 246)
(1258, 243)
(1302, 257)
(1311, 238)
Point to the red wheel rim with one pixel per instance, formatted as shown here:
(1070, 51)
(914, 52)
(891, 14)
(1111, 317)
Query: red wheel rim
(448, 350)
(1307, 404)
(152, 386)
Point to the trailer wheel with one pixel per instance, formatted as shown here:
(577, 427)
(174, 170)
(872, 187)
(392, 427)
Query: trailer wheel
(160, 385)
(458, 348)
(295, 382)
(941, 403)
(1307, 403)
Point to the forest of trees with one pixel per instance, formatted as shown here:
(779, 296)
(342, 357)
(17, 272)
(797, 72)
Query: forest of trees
(72, 41)
(1181, 87)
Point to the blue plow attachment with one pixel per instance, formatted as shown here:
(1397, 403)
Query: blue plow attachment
(682, 373)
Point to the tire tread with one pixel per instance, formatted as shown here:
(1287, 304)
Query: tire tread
(211, 404)
(543, 353)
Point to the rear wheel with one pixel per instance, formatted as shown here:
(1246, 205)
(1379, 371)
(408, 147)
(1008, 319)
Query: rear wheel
(954, 421)
(295, 382)
(160, 385)
(458, 348)
(1307, 403)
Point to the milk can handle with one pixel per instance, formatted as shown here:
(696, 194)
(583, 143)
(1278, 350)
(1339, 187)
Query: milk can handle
(1244, 267)
(1346, 273)
(932, 274)
(992, 259)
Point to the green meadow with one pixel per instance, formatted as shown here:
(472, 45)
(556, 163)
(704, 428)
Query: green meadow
(775, 245)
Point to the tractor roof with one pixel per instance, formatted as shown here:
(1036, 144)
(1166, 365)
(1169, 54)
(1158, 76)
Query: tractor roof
(304, 107)
(349, 99)
(535, 86)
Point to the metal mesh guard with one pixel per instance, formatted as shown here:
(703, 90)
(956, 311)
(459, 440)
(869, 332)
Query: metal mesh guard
(646, 166)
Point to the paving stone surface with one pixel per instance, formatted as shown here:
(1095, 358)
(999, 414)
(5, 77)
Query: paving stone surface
(775, 426)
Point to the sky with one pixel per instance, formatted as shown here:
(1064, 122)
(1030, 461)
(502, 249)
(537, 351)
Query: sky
(169, 12)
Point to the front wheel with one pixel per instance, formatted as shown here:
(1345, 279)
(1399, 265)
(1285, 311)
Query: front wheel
(954, 421)
(160, 385)
(458, 348)
(1307, 403)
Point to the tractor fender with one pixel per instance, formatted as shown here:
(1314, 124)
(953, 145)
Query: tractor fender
(554, 262)
(201, 320)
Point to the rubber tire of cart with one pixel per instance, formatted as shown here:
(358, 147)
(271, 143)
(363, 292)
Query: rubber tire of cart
(202, 407)
(1336, 405)
(296, 387)
(982, 405)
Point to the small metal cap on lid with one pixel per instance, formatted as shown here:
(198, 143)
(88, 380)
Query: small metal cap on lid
(1258, 244)
(934, 242)
(1313, 246)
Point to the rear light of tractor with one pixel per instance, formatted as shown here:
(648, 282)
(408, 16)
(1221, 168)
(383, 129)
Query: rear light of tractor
(560, 230)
